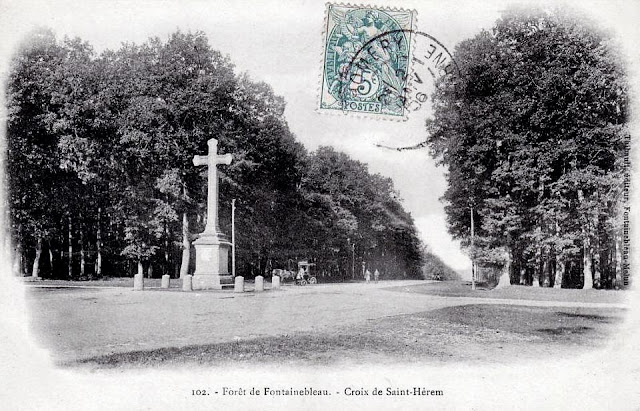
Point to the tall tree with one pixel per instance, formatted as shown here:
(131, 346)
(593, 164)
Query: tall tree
(531, 131)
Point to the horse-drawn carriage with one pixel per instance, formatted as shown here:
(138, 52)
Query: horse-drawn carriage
(305, 274)
(285, 275)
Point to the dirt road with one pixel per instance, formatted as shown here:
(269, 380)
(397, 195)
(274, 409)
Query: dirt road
(84, 322)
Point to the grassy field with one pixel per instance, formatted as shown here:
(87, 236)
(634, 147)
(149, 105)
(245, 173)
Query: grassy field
(469, 333)
(517, 292)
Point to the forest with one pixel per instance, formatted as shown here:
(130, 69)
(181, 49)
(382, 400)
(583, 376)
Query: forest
(100, 174)
(534, 133)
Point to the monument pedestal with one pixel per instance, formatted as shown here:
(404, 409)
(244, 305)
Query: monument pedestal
(212, 262)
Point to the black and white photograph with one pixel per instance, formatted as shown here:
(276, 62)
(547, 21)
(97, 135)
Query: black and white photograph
(389, 205)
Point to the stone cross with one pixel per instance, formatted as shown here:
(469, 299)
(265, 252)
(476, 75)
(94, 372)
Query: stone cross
(211, 161)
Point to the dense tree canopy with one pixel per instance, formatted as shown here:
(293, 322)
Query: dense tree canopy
(533, 133)
(101, 176)
(360, 210)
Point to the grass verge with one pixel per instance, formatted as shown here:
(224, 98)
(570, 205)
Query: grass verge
(515, 292)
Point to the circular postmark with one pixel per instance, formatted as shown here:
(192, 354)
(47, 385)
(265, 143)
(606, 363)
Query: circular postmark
(431, 61)
(382, 77)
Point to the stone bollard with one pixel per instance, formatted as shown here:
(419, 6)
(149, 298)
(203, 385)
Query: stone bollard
(138, 282)
(275, 282)
(165, 281)
(238, 286)
(259, 283)
(187, 283)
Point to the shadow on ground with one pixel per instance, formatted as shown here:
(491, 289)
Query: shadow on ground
(467, 333)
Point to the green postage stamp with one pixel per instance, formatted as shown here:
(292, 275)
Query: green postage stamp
(367, 54)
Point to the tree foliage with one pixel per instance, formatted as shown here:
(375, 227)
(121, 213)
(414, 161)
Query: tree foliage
(533, 134)
(100, 163)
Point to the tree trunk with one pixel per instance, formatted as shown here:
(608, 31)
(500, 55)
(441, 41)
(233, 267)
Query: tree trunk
(546, 270)
(558, 273)
(259, 258)
(597, 280)
(186, 247)
(557, 283)
(618, 262)
(36, 261)
(536, 269)
(99, 246)
(83, 260)
(540, 251)
(49, 249)
(597, 262)
(138, 279)
(586, 249)
(17, 261)
(17, 256)
(61, 244)
(70, 249)
(586, 270)
(523, 272)
(166, 269)
(505, 277)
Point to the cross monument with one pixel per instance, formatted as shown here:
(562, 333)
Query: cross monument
(212, 247)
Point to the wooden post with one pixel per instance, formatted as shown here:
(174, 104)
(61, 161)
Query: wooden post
(70, 249)
(165, 268)
(82, 250)
(353, 260)
(233, 238)
(98, 270)
(473, 263)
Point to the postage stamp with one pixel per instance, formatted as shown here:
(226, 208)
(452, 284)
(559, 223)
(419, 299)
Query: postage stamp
(367, 57)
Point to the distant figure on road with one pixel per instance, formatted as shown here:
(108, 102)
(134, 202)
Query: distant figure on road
(376, 275)
(367, 276)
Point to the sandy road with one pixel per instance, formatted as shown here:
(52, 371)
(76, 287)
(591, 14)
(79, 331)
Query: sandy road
(84, 322)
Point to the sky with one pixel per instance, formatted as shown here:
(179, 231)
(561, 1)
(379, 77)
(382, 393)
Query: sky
(281, 43)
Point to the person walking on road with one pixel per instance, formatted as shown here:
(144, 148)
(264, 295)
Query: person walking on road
(367, 276)
(376, 276)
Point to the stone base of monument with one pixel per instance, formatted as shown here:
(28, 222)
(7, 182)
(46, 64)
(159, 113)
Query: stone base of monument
(212, 263)
(31, 278)
(187, 283)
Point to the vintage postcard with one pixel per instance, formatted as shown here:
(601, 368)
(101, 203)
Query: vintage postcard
(184, 226)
